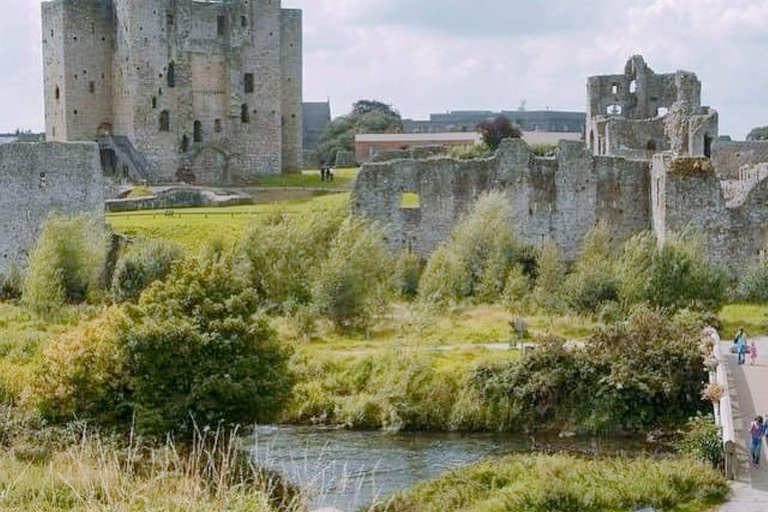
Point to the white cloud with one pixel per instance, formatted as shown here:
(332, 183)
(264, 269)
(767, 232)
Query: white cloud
(433, 55)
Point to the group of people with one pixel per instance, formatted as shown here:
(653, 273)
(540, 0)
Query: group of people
(326, 173)
(758, 428)
(743, 348)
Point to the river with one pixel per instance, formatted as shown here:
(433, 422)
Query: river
(347, 469)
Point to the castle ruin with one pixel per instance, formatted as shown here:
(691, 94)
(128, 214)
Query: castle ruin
(650, 161)
(201, 90)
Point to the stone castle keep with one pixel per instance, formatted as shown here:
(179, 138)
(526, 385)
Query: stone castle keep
(209, 91)
(651, 160)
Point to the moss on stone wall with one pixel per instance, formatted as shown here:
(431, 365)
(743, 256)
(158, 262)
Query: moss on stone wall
(692, 166)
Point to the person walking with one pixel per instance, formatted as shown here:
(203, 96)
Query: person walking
(740, 340)
(756, 434)
(752, 352)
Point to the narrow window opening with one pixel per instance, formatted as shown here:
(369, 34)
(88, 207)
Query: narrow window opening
(243, 21)
(171, 75)
(92, 87)
(197, 135)
(615, 89)
(248, 83)
(708, 146)
(53, 131)
(633, 86)
(651, 146)
(221, 25)
(165, 121)
(43, 180)
(217, 126)
(245, 116)
(57, 93)
(154, 102)
(410, 200)
(184, 144)
(169, 20)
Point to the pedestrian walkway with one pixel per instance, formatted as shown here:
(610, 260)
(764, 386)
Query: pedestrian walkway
(749, 395)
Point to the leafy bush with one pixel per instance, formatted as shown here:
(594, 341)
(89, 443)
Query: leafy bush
(476, 260)
(143, 265)
(66, 263)
(197, 348)
(593, 280)
(753, 285)
(495, 130)
(703, 440)
(676, 275)
(408, 270)
(282, 254)
(85, 374)
(355, 280)
(643, 374)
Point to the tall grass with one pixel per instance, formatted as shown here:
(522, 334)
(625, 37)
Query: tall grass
(213, 474)
(563, 483)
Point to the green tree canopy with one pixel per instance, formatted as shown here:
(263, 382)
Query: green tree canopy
(367, 116)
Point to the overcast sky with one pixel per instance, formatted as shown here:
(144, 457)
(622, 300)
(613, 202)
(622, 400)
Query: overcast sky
(427, 56)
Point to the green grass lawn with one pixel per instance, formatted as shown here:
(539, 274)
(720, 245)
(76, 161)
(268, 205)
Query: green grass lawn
(753, 317)
(343, 179)
(195, 227)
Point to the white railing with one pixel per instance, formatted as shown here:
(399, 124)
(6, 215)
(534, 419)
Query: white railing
(723, 408)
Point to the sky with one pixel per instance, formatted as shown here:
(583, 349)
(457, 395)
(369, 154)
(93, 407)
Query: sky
(426, 56)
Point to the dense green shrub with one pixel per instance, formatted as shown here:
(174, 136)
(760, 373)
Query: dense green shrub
(408, 271)
(677, 275)
(355, 280)
(497, 129)
(197, 348)
(703, 440)
(282, 254)
(66, 263)
(193, 348)
(637, 375)
(476, 260)
(753, 285)
(141, 266)
(593, 280)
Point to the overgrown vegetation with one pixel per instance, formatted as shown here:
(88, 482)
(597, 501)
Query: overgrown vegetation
(66, 264)
(564, 483)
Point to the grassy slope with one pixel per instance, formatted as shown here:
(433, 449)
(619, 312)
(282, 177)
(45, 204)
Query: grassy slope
(750, 316)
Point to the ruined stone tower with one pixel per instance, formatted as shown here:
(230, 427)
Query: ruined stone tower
(204, 90)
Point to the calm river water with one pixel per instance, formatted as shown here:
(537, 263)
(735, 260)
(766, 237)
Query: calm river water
(346, 470)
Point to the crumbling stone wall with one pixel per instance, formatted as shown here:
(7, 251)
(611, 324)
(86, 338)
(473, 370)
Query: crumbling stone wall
(729, 157)
(626, 113)
(38, 179)
(688, 194)
(558, 198)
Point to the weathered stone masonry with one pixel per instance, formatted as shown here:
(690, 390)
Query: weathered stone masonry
(556, 199)
(645, 164)
(213, 88)
(37, 180)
